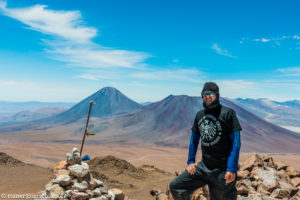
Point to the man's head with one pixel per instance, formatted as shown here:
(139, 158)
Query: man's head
(210, 94)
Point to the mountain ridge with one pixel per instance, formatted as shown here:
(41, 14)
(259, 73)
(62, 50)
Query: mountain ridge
(281, 113)
(166, 122)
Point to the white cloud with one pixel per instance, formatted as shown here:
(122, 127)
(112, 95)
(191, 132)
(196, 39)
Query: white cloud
(277, 43)
(16, 84)
(26, 91)
(149, 76)
(296, 37)
(236, 88)
(99, 57)
(30, 86)
(89, 77)
(271, 89)
(291, 71)
(2, 4)
(262, 40)
(265, 40)
(103, 74)
(64, 24)
(71, 40)
(221, 51)
(273, 40)
(186, 75)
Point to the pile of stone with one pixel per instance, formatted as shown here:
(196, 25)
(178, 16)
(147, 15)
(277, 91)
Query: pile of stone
(259, 178)
(262, 178)
(73, 180)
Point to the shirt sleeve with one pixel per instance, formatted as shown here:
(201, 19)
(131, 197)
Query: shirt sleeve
(235, 123)
(233, 159)
(194, 141)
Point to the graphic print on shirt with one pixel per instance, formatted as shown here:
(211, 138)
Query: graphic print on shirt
(210, 130)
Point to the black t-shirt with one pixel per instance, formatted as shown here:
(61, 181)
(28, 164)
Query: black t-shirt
(214, 127)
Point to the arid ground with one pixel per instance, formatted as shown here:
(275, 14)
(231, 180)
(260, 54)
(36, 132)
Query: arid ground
(32, 178)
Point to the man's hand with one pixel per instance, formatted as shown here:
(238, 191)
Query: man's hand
(191, 169)
(229, 176)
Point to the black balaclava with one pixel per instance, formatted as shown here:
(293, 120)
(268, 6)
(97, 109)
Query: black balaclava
(211, 87)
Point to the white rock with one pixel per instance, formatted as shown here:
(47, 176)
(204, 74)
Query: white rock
(119, 194)
(97, 192)
(112, 195)
(79, 195)
(103, 190)
(63, 180)
(74, 157)
(79, 170)
(68, 193)
(81, 187)
(55, 190)
(103, 198)
(99, 183)
(75, 150)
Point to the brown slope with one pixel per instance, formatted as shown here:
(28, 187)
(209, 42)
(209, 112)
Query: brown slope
(18, 177)
(136, 182)
(8, 161)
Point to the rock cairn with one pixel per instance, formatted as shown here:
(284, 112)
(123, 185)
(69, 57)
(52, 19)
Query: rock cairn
(262, 178)
(259, 178)
(73, 180)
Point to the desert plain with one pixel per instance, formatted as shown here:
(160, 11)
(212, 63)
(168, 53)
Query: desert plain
(43, 156)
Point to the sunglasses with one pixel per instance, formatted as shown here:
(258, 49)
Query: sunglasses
(211, 94)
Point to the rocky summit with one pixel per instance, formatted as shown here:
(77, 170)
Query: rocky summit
(262, 178)
(73, 180)
(259, 178)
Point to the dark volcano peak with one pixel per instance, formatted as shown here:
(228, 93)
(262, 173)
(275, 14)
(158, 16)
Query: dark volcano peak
(107, 90)
(108, 102)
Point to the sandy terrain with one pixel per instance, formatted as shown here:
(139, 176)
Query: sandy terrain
(23, 179)
(168, 159)
(14, 180)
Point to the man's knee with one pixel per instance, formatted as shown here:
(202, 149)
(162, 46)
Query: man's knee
(173, 184)
(178, 190)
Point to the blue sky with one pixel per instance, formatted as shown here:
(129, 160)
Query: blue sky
(52, 50)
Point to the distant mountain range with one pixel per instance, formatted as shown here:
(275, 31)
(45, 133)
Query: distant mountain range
(18, 112)
(26, 116)
(117, 119)
(107, 102)
(280, 113)
(146, 103)
(9, 108)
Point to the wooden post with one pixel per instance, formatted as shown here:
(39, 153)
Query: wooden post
(86, 126)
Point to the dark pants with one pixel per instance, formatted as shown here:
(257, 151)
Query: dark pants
(184, 184)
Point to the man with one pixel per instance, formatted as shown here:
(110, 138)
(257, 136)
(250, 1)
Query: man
(219, 130)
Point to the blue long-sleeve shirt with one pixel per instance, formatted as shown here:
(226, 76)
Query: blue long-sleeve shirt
(194, 141)
(232, 163)
(233, 159)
